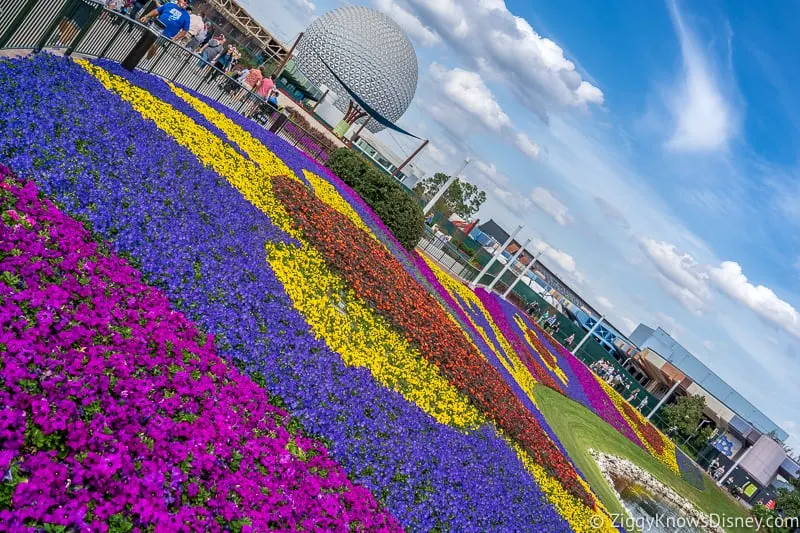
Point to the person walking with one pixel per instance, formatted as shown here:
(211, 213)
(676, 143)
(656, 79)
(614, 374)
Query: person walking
(264, 91)
(197, 26)
(74, 21)
(201, 38)
(173, 17)
(569, 340)
(251, 81)
(210, 51)
(224, 62)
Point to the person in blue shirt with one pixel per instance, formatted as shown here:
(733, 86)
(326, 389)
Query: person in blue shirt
(174, 17)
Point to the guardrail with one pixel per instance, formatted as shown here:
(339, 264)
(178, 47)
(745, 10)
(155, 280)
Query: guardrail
(447, 255)
(88, 29)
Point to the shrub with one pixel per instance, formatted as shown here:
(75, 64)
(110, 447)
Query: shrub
(396, 208)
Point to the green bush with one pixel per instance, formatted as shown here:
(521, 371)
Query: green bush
(394, 206)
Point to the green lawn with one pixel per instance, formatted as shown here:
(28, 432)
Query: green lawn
(579, 429)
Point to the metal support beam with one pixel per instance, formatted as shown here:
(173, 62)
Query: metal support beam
(17, 22)
(744, 453)
(664, 400)
(497, 252)
(443, 189)
(508, 265)
(524, 273)
(288, 56)
(587, 336)
(410, 158)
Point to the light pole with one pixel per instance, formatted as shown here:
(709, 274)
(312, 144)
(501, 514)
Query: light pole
(524, 273)
(697, 429)
(664, 399)
(588, 336)
(508, 265)
(444, 188)
(474, 283)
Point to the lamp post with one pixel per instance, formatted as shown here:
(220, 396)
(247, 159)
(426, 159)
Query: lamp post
(664, 400)
(588, 336)
(742, 455)
(474, 283)
(697, 429)
(508, 265)
(524, 273)
(448, 183)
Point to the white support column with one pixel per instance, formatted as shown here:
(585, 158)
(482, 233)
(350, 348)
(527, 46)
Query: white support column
(524, 273)
(474, 283)
(588, 336)
(448, 183)
(664, 400)
(508, 265)
(742, 455)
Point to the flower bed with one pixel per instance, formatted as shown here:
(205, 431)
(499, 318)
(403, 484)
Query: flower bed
(210, 259)
(117, 413)
(412, 310)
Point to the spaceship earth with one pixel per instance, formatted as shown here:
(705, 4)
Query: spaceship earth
(369, 52)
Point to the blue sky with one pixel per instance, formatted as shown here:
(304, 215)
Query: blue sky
(649, 148)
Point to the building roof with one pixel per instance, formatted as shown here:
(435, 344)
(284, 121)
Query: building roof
(493, 229)
(670, 350)
(244, 22)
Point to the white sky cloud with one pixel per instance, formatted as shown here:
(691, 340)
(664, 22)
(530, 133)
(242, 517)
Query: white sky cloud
(408, 21)
(492, 38)
(561, 258)
(628, 325)
(708, 345)
(527, 146)
(552, 206)
(763, 301)
(512, 199)
(605, 303)
(704, 119)
(468, 91)
(436, 154)
(490, 172)
(679, 274)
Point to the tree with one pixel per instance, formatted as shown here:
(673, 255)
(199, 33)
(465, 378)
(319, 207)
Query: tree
(686, 414)
(462, 198)
(388, 199)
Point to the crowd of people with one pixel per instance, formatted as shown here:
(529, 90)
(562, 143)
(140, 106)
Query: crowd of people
(548, 320)
(177, 21)
(620, 383)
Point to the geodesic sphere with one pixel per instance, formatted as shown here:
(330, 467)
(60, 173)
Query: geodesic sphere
(369, 52)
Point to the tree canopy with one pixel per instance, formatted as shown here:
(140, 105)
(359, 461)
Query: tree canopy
(686, 415)
(391, 202)
(462, 198)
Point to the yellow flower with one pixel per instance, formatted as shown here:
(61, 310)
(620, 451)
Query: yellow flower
(260, 154)
(328, 194)
(347, 324)
(251, 180)
(365, 339)
(554, 368)
(581, 518)
(504, 353)
(668, 455)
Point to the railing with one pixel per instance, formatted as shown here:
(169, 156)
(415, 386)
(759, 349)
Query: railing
(86, 28)
(447, 255)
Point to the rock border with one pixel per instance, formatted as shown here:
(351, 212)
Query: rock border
(610, 464)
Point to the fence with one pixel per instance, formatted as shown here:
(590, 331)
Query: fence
(86, 28)
(447, 255)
